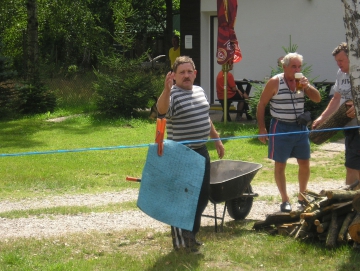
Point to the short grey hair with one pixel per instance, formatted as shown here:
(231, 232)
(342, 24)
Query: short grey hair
(182, 60)
(286, 60)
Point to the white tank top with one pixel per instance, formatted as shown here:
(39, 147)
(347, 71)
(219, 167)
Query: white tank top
(286, 105)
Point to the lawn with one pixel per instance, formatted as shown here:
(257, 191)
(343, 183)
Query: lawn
(90, 154)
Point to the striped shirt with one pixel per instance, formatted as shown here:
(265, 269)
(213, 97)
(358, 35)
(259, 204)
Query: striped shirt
(188, 116)
(286, 105)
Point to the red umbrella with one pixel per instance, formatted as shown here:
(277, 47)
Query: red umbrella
(228, 50)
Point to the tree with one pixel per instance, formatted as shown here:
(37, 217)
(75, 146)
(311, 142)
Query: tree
(352, 27)
(33, 75)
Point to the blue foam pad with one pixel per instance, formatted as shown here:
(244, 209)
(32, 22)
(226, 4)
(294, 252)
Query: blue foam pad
(171, 183)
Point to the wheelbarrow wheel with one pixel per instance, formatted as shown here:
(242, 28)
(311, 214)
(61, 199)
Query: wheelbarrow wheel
(239, 208)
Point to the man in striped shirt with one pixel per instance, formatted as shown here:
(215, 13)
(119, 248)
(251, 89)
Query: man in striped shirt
(187, 111)
(285, 107)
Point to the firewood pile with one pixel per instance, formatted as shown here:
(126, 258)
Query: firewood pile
(331, 216)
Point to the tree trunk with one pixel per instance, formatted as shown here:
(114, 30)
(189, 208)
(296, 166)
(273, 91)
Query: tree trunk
(32, 40)
(169, 27)
(352, 27)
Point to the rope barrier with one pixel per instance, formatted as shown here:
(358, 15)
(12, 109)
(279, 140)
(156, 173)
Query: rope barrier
(181, 142)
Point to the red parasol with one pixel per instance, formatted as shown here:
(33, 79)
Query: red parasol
(228, 50)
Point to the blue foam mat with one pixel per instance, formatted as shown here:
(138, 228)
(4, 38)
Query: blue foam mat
(171, 183)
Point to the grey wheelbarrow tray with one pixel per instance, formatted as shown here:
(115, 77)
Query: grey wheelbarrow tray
(230, 183)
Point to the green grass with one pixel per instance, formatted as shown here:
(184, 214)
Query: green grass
(39, 175)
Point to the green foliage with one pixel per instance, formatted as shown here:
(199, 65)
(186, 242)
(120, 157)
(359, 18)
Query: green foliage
(37, 99)
(124, 88)
(124, 36)
(9, 97)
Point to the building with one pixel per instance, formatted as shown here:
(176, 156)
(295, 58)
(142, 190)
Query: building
(263, 28)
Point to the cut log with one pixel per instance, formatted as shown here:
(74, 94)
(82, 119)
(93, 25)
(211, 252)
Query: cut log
(341, 194)
(295, 213)
(312, 193)
(326, 202)
(333, 231)
(354, 228)
(286, 229)
(323, 227)
(344, 228)
(337, 119)
(301, 232)
(275, 219)
(356, 203)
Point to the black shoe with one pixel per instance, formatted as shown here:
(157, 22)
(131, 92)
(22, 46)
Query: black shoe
(285, 207)
(248, 117)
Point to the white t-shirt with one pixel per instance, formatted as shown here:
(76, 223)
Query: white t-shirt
(343, 87)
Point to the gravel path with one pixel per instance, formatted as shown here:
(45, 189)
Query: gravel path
(52, 225)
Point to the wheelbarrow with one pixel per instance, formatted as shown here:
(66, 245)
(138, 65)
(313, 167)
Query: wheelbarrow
(230, 183)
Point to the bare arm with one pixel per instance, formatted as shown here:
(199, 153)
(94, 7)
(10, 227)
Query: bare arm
(164, 99)
(312, 93)
(333, 105)
(269, 91)
(218, 144)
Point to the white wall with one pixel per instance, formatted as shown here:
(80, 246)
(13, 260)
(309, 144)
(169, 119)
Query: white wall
(263, 27)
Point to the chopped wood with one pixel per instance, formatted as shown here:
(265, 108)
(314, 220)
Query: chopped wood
(312, 193)
(356, 203)
(286, 229)
(333, 231)
(343, 230)
(354, 228)
(341, 194)
(336, 119)
(332, 216)
(275, 219)
(322, 227)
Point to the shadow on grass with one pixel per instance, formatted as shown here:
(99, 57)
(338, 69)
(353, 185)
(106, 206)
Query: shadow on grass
(352, 262)
(20, 133)
(177, 260)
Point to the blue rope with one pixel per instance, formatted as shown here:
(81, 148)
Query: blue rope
(181, 142)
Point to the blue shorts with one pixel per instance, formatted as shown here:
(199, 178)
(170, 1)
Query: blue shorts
(352, 148)
(283, 147)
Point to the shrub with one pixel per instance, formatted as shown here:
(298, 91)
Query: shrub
(36, 99)
(124, 88)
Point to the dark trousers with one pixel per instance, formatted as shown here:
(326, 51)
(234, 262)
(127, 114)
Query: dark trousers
(185, 238)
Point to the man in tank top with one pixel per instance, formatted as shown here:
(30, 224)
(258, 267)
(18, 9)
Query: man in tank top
(286, 104)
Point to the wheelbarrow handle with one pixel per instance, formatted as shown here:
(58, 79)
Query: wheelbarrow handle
(133, 179)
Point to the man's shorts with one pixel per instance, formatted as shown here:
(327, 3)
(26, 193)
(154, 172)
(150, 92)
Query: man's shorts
(352, 148)
(289, 143)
